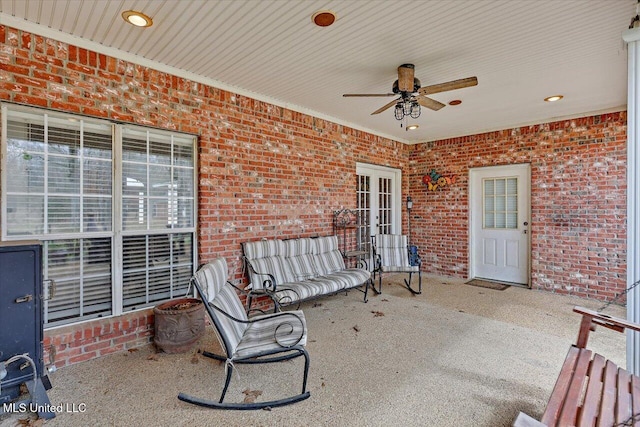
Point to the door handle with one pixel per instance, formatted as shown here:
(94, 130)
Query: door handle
(25, 298)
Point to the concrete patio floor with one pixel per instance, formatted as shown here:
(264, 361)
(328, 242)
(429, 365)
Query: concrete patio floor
(457, 355)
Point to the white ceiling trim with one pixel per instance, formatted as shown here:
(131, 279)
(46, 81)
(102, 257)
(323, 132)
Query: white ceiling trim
(48, 32)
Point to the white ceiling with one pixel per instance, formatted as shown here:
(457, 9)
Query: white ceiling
(520, 50)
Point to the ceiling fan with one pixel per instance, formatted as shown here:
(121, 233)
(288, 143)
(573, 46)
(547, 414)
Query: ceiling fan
(412, 95)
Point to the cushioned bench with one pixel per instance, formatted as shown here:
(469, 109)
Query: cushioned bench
(296, 270)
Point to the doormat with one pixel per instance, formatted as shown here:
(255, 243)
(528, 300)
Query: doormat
(487, 284)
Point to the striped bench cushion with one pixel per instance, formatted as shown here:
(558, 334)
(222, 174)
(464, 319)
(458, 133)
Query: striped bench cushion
(328, 258)
(299, 255)
(275, 265)
(292, 292)
(264, 248)
(349, 277)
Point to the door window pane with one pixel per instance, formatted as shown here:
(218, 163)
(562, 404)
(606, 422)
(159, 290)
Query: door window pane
(363, 195)
(384, 205)
(500, 203)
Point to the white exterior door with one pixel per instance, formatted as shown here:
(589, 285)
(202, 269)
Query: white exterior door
(499, 209)
(378, 202)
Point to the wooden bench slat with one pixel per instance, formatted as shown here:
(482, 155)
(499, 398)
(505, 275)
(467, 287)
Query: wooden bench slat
(608, 403)
(623, 408)
(635, 398)
(589, 411)
(552, 412)
(569, 411)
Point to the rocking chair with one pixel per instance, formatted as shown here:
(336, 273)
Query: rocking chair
(391, 255)
(265, 338)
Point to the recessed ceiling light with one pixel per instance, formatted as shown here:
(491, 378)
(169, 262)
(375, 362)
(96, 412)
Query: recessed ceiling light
(455, 102)
(412, 127)
(324, 18)
(553, 98)
(138, 19)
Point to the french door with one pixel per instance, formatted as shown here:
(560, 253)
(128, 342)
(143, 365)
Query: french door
(378, 194)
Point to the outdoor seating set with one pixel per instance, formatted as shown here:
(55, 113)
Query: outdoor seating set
(589, 390)
(288, 272)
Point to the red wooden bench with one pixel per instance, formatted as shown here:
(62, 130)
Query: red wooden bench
(591, 390)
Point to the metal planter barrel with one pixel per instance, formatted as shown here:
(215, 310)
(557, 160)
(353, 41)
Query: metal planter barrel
(179, 323)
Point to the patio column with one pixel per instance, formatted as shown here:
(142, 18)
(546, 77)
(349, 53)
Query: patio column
(632, 37)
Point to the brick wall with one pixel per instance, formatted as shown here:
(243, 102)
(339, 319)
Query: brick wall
(578, 205)
(265, 171)
(76, 343)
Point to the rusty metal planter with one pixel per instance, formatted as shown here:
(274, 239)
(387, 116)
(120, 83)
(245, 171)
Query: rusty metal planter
(179, 323)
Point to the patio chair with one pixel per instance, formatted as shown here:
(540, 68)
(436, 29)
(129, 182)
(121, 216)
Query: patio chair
(391, 255)
(264, 338)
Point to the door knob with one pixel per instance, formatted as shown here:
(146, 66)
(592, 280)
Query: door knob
(525, 223)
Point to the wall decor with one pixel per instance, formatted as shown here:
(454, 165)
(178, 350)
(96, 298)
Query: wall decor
(435, 181)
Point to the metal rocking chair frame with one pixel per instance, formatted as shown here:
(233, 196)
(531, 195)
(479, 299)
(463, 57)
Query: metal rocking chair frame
(404, 264)
(284, 351)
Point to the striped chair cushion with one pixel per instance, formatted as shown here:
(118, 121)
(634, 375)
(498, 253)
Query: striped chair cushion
(328, 258)
(275, 265)
(397, 269)
(259, 336)
(393, 250)
(212, 279)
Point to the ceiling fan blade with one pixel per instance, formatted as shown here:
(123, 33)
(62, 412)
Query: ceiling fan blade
(369, 94)
(385, 106)
(443, 87)
(429, 103)
(406, 74)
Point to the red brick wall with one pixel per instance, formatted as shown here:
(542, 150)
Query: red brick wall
(266, 171)
(76, 343)
(578, 205)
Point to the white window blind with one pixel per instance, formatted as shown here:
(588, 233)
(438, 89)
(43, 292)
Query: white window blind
(57, 186)
(158, 207)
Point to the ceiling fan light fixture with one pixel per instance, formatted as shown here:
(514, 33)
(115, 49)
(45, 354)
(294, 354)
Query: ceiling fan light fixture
(408, 106)
(138, 19)
(553, 98)
(324, 18)
(415, 110)
(399, 111)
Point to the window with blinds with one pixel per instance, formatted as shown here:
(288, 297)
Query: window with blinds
(58, 186)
